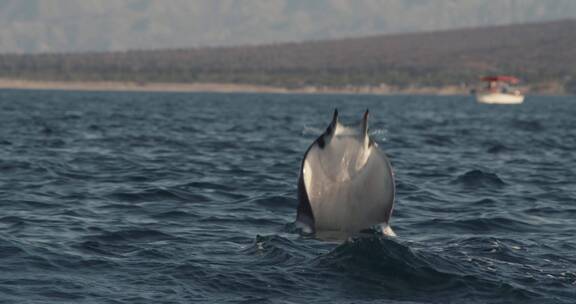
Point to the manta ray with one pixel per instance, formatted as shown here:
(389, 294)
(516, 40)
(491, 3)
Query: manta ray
(346, 182)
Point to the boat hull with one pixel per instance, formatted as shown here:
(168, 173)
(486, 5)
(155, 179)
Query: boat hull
(499, 98)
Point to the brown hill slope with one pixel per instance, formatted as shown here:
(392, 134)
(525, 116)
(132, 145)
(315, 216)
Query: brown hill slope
(537, 53)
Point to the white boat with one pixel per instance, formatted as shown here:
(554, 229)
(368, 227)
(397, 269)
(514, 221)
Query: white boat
(499, 98)
(499, 90)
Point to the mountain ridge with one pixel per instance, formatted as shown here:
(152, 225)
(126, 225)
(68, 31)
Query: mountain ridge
(538, 53)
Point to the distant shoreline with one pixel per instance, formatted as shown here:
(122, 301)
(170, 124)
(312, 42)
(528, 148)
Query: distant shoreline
(551, 88)
(220, 88)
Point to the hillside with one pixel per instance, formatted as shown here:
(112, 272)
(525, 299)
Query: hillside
(539, 53)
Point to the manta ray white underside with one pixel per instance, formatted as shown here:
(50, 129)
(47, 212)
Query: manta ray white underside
(346, 182)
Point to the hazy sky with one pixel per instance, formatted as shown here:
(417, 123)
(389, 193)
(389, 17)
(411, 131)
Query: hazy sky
(87, 25)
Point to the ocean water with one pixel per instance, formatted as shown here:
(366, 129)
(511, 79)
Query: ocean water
(190, 198)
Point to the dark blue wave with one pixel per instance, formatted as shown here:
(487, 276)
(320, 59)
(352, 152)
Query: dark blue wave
(477, 177)
(399, 272)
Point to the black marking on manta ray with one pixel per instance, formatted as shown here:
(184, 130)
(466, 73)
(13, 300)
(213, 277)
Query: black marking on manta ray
(321, 142)
(304, 213)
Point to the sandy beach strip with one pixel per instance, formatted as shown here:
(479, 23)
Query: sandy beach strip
(133, 86)
(221, 88)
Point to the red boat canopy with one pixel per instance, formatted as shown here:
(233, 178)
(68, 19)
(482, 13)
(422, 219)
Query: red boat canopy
(509, 79)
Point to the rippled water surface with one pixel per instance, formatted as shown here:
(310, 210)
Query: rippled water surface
(186, 198)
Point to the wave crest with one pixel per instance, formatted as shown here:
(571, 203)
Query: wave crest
(404, 273)
(475, 178)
